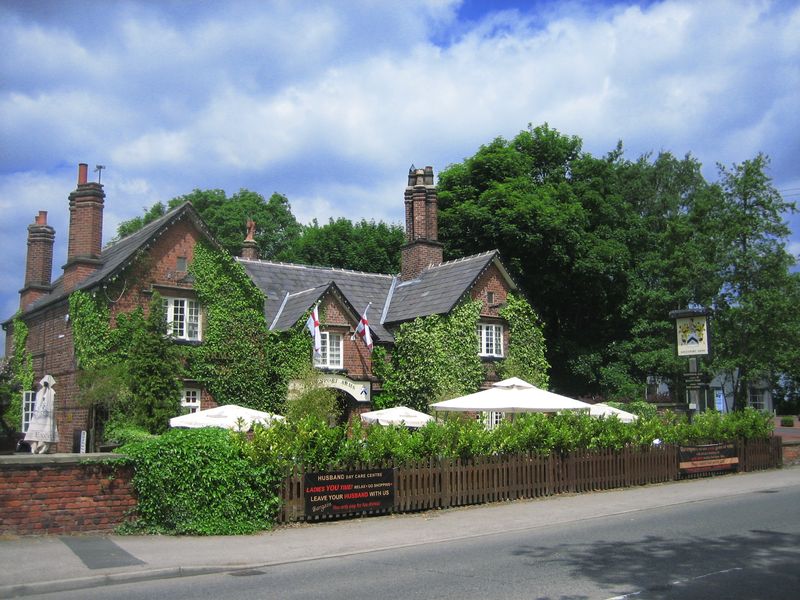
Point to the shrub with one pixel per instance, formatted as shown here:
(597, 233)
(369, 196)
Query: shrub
(202, 482)
(787, 421)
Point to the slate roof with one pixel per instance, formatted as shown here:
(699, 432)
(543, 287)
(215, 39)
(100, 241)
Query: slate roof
(291, 289)
(116, 256)
(303, 282)
(438, 289)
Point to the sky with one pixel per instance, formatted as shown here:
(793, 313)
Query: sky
(330, 102)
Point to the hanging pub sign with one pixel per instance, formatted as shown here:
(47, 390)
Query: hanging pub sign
(348, 492)
(692, 335)
(708, 458)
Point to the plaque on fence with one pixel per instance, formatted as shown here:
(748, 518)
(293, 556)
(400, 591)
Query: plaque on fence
(347, 492)
(708, 458)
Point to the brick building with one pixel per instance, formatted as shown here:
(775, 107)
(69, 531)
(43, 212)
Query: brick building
(127, 272)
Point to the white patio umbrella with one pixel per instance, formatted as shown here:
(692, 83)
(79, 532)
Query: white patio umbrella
(511, 396)
(399, 415)
(604, 410)
(229, 416)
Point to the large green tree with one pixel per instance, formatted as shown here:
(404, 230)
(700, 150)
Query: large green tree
(363, 246)
(560, 224)
(226, 217)
(756, 315)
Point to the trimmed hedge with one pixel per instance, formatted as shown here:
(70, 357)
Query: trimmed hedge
(215, 482)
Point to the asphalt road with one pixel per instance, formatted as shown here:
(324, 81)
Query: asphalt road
(744, 546)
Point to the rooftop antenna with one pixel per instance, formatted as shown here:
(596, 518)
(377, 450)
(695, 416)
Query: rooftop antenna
(99, 170)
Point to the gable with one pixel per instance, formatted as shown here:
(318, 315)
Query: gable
(117, 256)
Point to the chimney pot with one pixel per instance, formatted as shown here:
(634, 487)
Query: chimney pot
(83, 173)
(41, 218)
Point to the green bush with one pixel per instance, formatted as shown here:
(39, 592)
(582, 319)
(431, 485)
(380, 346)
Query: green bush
(202, 482)
(787, 421)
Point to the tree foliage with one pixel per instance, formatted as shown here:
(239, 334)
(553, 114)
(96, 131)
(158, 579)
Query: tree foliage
(364, 246)
(605, 248)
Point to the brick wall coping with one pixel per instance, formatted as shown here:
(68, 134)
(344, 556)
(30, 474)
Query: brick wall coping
(791, 442)
(33, 460)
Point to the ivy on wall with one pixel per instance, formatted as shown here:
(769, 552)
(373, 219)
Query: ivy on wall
(434, 358)
(526, 346)
(23, 361)
(240, 361)
(21, 371)
(91, 330)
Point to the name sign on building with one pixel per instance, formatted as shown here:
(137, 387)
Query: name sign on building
(360, 390)
(348, 492)
(708, 458)
(692, 336)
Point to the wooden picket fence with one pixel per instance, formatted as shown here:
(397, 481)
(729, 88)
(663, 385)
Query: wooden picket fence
(443, 483)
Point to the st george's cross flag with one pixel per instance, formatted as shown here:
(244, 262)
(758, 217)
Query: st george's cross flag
(363, 329)
(313, 328)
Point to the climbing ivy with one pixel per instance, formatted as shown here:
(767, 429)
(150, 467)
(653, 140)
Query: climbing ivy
(240, 361)
(23, 361)
(434, 358)
(526, 346)
(91, 330)
(21, 371)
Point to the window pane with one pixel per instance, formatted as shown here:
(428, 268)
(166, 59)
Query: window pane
(190, 398)
(178, 317)
(335, 350)
(193, 320)
(322, 359)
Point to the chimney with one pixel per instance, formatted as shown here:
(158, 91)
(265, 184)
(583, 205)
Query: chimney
(250, 246)
(39, 261)
(422, 247)
(85, 230)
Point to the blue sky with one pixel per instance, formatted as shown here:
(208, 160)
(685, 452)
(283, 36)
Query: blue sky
(330, 102)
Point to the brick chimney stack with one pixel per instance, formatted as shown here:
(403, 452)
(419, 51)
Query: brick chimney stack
(422, 247)
(85, 230)
(250, 246)
(39, 261)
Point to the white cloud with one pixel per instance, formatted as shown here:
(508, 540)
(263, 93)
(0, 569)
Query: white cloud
(330, 104)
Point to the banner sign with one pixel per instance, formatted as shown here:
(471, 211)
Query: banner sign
(692, 336)
(347, 492)
(709, 458)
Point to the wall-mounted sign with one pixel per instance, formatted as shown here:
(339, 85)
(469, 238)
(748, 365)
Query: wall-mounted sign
(348, 492)
(360, 390)
(692, 336)
(708, 458)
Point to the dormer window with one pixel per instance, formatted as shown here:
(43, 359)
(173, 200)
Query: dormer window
(183, 318)
(490, 339)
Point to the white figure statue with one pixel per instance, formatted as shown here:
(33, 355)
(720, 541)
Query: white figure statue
(42, 431)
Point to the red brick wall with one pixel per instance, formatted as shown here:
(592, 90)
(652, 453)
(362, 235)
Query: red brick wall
(158, 269)
(59, 498)
(791, 453)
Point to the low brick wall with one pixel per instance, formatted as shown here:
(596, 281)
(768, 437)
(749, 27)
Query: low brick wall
(57, 494)
(791, 452)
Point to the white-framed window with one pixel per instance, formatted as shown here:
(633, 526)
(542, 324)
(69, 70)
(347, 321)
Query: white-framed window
(183, 318)
(28, 404)
(490, 339)
(331, 356)
(190, 399)
(757, 399)
(492, 419)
